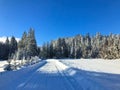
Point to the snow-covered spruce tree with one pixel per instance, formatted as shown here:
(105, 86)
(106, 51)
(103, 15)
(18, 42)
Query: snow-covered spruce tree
(22, 46)
(64, 48)
(13, 46)
(27, 46)
(1, 51)
(4, 50)
(59, 48)
(44, 51)
(48, 49)
(51, 50)
(7, 49)
(98, 46)
(31, 44)
(73, 53)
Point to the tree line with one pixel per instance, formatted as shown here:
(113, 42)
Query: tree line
(8, 49)
(25, 48)
(79, 46)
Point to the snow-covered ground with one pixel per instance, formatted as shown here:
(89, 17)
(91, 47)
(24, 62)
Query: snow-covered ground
(97, 65)
(55, 74)
(2, 64)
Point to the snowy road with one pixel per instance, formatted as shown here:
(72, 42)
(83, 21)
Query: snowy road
(49, 77)
(46, 76)
(54, 75)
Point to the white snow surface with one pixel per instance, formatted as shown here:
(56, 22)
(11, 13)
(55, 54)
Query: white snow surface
(2, 64)
(97, 65)
(53, 74)
(51, 66)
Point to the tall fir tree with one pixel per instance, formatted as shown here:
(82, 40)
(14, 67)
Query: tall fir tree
(31, 44)
(13, 46)
(7, 49)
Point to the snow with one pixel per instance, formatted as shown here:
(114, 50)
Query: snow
(2, 63)
(51, 66)
(97, 65)
(12, 80)
(53, 74)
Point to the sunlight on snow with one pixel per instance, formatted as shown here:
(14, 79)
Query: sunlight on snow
(51, 67)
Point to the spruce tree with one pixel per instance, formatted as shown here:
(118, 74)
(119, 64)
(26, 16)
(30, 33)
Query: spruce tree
(31, 44)
(7, 49)
(13, 46)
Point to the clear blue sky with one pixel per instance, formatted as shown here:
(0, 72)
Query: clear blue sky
(59, 18)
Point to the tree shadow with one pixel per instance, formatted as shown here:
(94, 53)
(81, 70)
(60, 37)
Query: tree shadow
(96, 79)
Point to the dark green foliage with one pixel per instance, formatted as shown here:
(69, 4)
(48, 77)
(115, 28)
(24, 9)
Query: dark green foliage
(3, 52)
(8, 68)
(13, 46)
(8, 48)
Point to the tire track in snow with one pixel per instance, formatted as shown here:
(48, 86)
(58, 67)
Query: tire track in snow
(43, 79)
(35, 79)
(69, 78)
(12, 80)
(86, 81)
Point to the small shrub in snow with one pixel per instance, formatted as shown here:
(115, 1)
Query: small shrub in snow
(9, 67)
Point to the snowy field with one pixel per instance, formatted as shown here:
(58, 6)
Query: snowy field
(65, 74)
(97, 65)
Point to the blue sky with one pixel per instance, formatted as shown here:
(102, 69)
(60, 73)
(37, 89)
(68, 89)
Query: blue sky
(59, 18)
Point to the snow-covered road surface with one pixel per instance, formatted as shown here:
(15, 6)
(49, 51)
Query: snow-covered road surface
(54, 75)
(48, 77)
